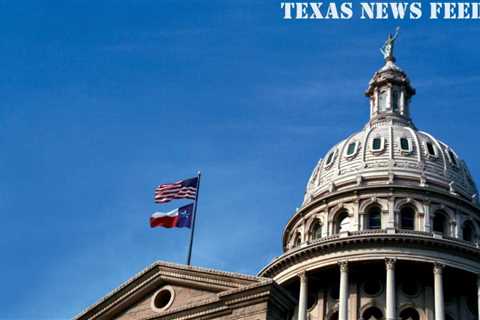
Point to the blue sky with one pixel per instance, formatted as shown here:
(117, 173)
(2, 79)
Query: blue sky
(103, 100)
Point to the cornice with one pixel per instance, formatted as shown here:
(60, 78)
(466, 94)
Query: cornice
(317, 248)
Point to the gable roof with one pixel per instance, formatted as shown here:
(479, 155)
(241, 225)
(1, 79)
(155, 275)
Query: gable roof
(224, 284)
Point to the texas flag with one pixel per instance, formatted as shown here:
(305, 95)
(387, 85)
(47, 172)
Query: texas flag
(179, 218)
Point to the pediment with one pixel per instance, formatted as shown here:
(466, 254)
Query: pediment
(145, 295)
(165, 297)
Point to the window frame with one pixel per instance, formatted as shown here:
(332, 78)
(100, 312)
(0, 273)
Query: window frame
(382, 145)
(355, 150)
(370, 212)
(341, 216)
(333, 154)
(439, 214)
(382, 97)
(401, 215)
(168, 288)
(410, 145)
(427, 152)
(395, 99)
(473, 235)
(315, 227)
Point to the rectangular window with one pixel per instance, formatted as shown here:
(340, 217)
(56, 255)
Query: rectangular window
(382, 101)
(404, 144)
(430, 149)
(377, 144)
(395, 99)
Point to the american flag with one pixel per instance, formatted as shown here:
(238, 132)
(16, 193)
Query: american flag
(183, 189)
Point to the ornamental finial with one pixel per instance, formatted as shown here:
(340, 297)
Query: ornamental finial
(387, 49)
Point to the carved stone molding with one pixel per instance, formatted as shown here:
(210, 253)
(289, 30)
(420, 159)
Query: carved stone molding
(390, 263)
(343, 266)
(303, 276)
(438, 268)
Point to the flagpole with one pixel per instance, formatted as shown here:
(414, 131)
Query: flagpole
(189, 257)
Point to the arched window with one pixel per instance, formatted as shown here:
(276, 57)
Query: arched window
(440, 223)
(297, 240)
(316, 230)
(409, 314)
(343, 222)
(372, 313)
(407, 218)
(374, 217)
(468, 231)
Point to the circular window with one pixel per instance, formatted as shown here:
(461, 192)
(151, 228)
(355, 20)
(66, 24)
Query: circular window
(372, 287)
(410, 288)
(163, 298)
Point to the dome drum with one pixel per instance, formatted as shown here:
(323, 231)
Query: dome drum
(357, 204)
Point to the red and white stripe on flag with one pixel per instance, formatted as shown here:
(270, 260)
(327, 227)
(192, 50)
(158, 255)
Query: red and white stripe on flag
(183, 189)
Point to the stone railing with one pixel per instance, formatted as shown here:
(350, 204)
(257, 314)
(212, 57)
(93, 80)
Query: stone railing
(367, 232)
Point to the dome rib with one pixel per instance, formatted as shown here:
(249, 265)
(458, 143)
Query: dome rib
(417, 142)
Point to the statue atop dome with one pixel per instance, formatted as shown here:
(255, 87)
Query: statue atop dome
(387, 49)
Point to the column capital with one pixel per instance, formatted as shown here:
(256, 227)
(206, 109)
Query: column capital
(390, 263)
(302, 275)
(438, 268)
(343, 265)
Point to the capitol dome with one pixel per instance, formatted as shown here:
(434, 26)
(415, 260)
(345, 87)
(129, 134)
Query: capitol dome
(389, 228)
(390, 150)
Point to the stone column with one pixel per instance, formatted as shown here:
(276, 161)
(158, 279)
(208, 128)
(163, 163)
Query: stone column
(302, 301)
(391, 308)
(343, 302)
(402, 103)
(438, 291)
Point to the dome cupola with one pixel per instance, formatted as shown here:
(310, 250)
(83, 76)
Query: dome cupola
(389, 89)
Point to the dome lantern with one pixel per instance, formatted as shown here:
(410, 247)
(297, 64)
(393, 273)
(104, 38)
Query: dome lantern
(389, 89)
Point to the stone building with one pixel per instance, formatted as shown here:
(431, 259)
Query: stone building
(389, 229)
